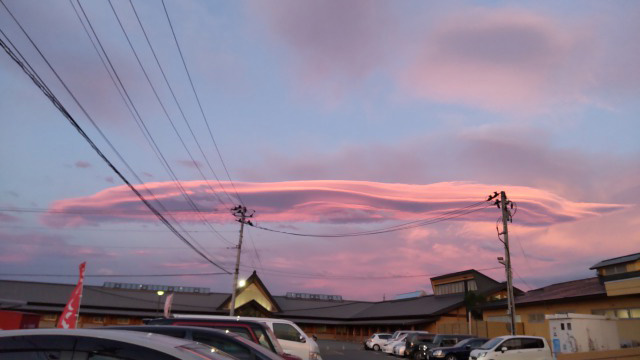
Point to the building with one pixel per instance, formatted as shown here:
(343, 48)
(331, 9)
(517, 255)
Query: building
(615, 292)
(461, 301)
(327, 316)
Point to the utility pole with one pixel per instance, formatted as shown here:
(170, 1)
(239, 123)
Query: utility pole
(506, 217)
(240, 212)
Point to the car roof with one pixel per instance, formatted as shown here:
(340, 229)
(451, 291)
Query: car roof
(229, 321)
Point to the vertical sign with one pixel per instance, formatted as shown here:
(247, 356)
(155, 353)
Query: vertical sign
(69, 318)
(167, 305)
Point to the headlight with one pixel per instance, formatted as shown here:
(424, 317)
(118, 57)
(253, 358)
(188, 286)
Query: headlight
(438, 353)
(314, 355)
(423, 347)
(482, 354)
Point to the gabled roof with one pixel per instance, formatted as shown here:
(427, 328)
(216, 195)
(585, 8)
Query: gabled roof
(616, 260)
(253, 279)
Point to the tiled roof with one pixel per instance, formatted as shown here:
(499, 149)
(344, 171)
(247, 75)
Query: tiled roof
(617, 260)
(565, 290)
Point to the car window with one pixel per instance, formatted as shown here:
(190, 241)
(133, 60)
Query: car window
(263, 338)
(512, 344)
(385, 337)
(491, 343)
(286, 332)
(105, 349)
(448, 342)
(476, 343)
(39, 342)
(174, 332)
(422, 338)
(222, 344)
(528, 343)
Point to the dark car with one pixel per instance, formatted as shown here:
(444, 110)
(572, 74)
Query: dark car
(413, 341)
(231, 343)
(459, 351)
(252, 330)
(439, 340)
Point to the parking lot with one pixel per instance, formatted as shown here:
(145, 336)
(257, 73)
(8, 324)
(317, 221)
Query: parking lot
(340, 350)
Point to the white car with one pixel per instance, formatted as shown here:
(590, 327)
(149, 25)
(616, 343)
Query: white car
(103, 344)
(376, 341)
(388, 347)
(292, 339)
(513, 348)
(399, 349)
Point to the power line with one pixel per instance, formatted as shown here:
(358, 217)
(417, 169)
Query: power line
(409, 225)
(140, 122)
(200, 104)
(87, 212)
(179, 107)
(54, 100)
(118, 275)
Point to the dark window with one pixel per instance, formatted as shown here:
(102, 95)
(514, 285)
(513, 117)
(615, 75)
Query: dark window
(561, 326)
(448, 342)
(568, 326)
(37, 342)
(286, 332)
(384, 336)
(177, 333)
(105, 349)
(532, 343)
(222, 344)
(512, 344)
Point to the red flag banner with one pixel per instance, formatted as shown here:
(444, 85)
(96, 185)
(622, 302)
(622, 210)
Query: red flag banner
(69, 317)
(167, 305)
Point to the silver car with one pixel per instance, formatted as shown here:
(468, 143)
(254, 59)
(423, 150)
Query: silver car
(87, 344)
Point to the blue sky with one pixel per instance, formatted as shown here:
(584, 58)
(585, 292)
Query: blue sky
(331, 117)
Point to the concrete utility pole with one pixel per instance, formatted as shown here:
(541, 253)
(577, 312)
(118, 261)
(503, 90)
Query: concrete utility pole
(506, 217)
(241, 213)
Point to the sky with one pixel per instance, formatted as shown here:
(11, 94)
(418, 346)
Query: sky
(324, 117)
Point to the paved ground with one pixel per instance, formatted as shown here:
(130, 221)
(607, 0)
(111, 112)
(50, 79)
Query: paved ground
(339, 350)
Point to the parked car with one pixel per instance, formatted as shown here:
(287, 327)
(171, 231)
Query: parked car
(231, 343)
(389, 345)
(413, 341)
(376, 341)
(254, 331)
(398, 349)
(291, 337)
(513, 348)
(421, 350)
(459, 351)
(100, 344)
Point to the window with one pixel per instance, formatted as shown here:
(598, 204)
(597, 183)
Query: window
(512, 344)
(122, 320)
(286, 332)
(536, 318)
(448, 342)
(223, 344)
(615, 269)
(633, 313)
(97, 319)
(533, 343)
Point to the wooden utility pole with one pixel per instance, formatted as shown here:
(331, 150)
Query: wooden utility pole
(241, 213)
(506, 217)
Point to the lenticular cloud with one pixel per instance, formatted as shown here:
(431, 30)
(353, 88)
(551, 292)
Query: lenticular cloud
(319, 201)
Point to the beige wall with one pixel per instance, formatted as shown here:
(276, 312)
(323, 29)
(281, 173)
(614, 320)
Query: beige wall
(629, 329)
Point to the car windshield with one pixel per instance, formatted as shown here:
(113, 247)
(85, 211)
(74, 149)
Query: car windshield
(491, 343)
(463, 343)
(205, 351)
(274, 341)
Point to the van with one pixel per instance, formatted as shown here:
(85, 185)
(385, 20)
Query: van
(513, 348)
(292, 339)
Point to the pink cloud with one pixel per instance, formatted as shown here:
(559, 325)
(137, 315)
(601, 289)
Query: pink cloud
(326, 201)
(82, 164)
(190, 164)
(334, 43)
(501, 59)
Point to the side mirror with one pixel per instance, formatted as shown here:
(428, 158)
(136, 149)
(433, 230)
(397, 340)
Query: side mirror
(315, 338)
(504, 348)
(467, 347)
(303, 339)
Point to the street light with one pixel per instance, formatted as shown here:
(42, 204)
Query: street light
(160, 293)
